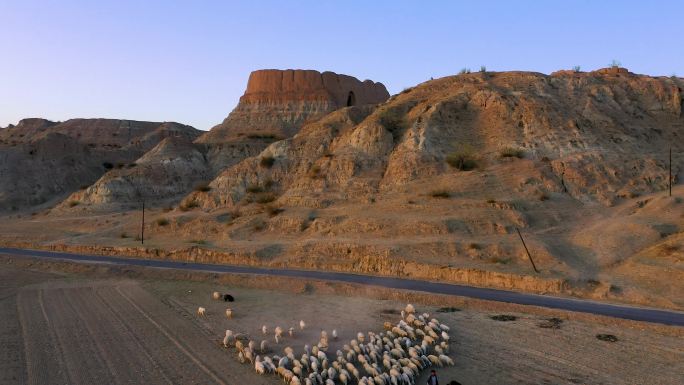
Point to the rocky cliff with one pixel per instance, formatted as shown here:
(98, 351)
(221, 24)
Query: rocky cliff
(42, 161)
(277, 103)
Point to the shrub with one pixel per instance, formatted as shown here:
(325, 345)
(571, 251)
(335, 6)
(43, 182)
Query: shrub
(254, 189)
(501, 261)
(267, 161)
(551, 323)
(615, 63)
(462, 159)
(315, 171)
(189, 205)
(83, 187)
(504, 317)
(576, 69)
(393, 121)
(123, 235)
(607, 337)
(483, 69)
(74, 203)
(449, 309)
(273, 211)
(120, 165)
(259, 225)
(543, 196)
(268, 183)
(203, 187)
(475, 246)
(107, 165)
(491, 201)
(512, 152)
(265, 198)
(162, 221)
(262, 136)
(440, 194)
(198, 241)
(464, 71)
(131, 165)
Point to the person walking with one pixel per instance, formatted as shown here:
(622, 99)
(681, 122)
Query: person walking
(432, 380)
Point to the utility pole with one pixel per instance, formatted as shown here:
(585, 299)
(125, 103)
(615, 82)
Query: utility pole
(526, 250)
(142, 225)
(670, 172)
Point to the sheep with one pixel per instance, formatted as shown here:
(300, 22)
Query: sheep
(201, 312)
(445, 336)
(259, 367)
(278, 334)
(263, 346)
(334, 334)
(446, 360)
(229, 313)
(216, 295)
(302, 324)
(291, 332)
(228, 298)
(229, 336)
(410, 309)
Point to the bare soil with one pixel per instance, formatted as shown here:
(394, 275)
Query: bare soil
(87, 328)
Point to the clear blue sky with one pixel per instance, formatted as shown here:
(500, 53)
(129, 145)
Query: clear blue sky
(189, 61)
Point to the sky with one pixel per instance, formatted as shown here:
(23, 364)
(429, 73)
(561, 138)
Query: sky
(188, 61)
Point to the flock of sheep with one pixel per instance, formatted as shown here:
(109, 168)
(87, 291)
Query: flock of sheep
(395, 356)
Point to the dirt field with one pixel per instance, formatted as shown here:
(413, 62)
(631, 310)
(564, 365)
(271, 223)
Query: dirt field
(78, 330)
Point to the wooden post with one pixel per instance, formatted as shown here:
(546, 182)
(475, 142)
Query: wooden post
(526, 250)
(142, 225)
(670, 172)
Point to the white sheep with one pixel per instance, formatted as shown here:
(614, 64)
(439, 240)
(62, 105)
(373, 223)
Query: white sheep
(216, 295)
(229, 313)
(264, 330)
(291, 332)
(410, 309)
(278, 331)
(334, 334)
(201, 312)
(264, 346)
(227, 338)
(302, 324)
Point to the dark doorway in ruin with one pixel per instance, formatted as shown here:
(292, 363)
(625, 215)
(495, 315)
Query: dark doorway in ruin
(351, 99)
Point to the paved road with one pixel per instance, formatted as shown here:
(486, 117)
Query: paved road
(619, 311)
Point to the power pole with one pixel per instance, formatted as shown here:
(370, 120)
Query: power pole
(670, 172)
(526, 250)
(142, 225)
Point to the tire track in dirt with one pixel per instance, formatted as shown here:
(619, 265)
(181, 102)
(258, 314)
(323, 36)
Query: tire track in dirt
(44, 359)
(12, 365)
(123, 364)
(176, 365)
(176, 342)
(125, 332)
(84, 362)
(131, 361)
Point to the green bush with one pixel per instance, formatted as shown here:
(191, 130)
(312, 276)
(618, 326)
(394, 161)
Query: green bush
(440, 194)
(512, 152)
(74, 203)
(162, 221)
(273, 210)
(265, 198)
(267, 161)
(254, 189)
(462, 159)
